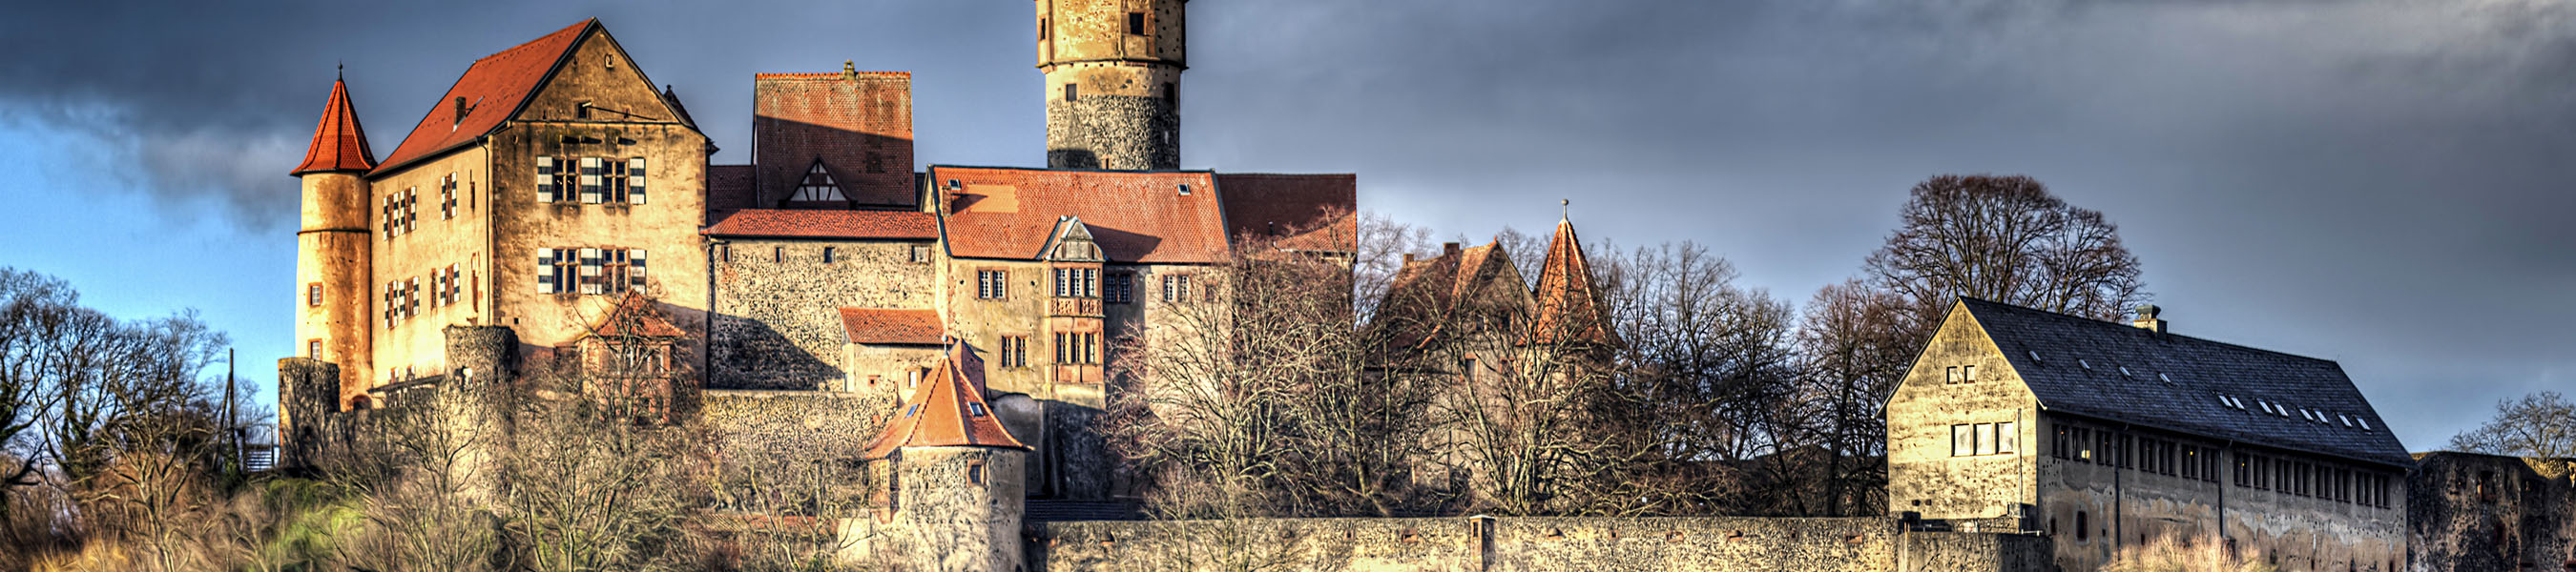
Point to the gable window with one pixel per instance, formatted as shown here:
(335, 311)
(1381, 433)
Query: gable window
(1077, 283)
(1119, 289)
(1968, 373)
(1951, 377)
(992, 284)
(1977, 439)
(818, 185)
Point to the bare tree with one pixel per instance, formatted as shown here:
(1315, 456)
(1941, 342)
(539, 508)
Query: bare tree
(2540, 425)
(1706, 373)
(1856, 345)
(2006, 239)
(595, 475)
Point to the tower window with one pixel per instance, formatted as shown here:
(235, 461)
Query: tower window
(1136, 23)
(1042, 29)
(313, 349)
(920, 254)
(313, 294)
(1071, 91)
(827, 255)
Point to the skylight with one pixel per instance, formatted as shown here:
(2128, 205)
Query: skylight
(2347, 421)
(2086, 364)
(2365, 422)
(2166, 378)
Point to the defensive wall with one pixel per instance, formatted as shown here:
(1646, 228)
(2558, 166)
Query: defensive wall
(1534, 543)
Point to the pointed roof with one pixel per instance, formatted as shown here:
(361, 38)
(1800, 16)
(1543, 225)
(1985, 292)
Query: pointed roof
(2120, 372)
(1566, 300)
(493, 90)
(635, 316)
(338, 143)
(1428, 293)
(947, 411)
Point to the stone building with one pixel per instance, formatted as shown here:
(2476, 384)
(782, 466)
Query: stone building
(947, 489)
(1113, 73)
(2106, 435)
(2467, 511)
(542, 188)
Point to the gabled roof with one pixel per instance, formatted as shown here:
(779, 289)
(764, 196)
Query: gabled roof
(1135, 216)
(858, 124)
(1427, 293)
(891, 326)
(802, 223)
(493, 89)
(338, 143)
(2051, 353)
(1566, 300)
(1302, 212)
(634, 316)
(948, 410)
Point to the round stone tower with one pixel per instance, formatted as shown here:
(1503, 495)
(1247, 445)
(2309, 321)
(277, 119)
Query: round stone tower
(331, 248)
(1113, 82)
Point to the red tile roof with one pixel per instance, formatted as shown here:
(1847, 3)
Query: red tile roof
(635, 316)
(800, 223)
(338, 143)
(947, 411)
(729, 188)
(859, 124)
(1135, 216)
(1303, 212)
(891, 326)
(493, 89)
(1567, 303)
(1428, 293)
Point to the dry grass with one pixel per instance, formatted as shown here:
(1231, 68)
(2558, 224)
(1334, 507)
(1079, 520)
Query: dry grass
(2170, 554)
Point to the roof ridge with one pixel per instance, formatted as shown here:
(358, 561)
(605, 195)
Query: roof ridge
(828, 75)
(531, 43)
(2065, 316)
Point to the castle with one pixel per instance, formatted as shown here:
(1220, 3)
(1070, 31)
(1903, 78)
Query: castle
(554, 201)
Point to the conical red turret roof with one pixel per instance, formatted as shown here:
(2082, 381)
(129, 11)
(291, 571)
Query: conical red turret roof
(1567, 304)
(948, 410)
(338, 143)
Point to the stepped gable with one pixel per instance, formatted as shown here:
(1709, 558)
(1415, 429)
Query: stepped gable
(891, 326)
(1135, 216)
(635, 316)
(1567, 303)
(2050, 351)
(338, 143)
(801, 223)
(947, 411)
(857, 124)
(493, 90)
(1302, 212)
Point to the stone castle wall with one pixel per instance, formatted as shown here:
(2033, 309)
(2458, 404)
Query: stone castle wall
(777, 323)
(1126, 132)
(2485, 512)
(1531, 543)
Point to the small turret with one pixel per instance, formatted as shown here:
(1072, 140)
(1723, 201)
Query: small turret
(1568, 306)
(948, 479)
(332, 247)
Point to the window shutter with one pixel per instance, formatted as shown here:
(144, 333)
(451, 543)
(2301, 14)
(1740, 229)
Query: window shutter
(635, 267)
(590, 264)
(635, 181)
(546, 271)
(546, 179)
(590, 183)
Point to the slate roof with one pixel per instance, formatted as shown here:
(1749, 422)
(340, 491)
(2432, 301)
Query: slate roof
(1135, 216)
(338, 143)
(2201, 370)
(1303, 212)
(947, 411)
(891, 326)
(493, 89)
(803, 223)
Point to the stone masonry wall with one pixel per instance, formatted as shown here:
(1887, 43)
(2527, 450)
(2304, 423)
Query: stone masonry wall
(1113, 132)
(1531, 543)
(777, 318)
(2487, 512)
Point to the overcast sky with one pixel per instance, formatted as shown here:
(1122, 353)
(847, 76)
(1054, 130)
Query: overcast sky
(2386, 183)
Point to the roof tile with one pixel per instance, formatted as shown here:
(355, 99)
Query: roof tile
(891, 326)
(1303, 212)
(1135, 216)
(947, 411)
(493, 89)
(338, 143)
(803, 223)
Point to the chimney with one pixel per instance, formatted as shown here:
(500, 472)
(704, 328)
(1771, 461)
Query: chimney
(2147, 319)
(1408, 258)
(1448, 248)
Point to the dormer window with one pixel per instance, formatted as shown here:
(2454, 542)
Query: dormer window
(975, 409)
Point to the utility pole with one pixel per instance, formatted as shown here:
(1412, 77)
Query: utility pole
(231, 427)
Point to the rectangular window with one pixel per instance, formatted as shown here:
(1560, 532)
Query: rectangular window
(1963, 440)
(1968, 374)
(447, 197)
(1176, 288)
(921, 254)
(1060, 346)
(593, 175)
(827, 254)
(1015, 351)
(1071, 91)
(313, 294)
(1120, 289)
(313, 349)
(1951, 376)
(2083, 445)
(2007, 438)
(992, 284)
(1985, 435)
(1135, 23)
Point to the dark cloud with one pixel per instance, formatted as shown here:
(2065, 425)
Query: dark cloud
(2381, 182)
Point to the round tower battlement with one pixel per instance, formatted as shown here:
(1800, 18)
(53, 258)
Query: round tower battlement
(1113, 75)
